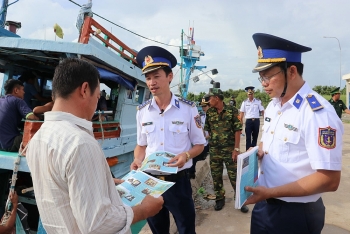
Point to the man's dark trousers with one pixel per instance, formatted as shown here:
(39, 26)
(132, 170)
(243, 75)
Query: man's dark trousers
(288, 218)
(178, 200)
(252, 132)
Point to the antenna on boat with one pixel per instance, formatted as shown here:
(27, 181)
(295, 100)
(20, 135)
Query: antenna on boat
(189, 54)
(3, 11)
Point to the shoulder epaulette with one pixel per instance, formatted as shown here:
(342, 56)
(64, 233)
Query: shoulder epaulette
(314, 103)
(297, 101)
(144, 104)
(190, 103)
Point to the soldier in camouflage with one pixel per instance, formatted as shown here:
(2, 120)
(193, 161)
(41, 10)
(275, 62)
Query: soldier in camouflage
(224, 129)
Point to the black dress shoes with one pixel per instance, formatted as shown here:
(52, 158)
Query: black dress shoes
(244, 209)
(219, 204)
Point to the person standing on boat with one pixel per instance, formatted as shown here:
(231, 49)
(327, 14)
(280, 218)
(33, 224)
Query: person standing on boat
(301, 145)
(74, 189)
(168, 123)
(224, 129)
(251, 108)
(30, 91)
(12, 110)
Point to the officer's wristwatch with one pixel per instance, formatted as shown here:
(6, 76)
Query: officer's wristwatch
(237, 149)
(188, 156)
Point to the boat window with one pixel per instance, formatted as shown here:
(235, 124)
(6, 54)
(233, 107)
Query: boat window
(148, 95)
(129, 94)
(139, 94)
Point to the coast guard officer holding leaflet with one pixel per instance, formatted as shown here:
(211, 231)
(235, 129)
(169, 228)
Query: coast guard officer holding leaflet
(168, 123)
(301, 146)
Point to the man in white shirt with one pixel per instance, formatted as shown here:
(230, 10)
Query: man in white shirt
(301, 145)
(74, 189)
(251, 108)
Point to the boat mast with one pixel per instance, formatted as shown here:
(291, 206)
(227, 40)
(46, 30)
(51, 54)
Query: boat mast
(3, 13)
(190, 54)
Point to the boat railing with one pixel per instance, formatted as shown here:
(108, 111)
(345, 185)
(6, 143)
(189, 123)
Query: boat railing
(90, 26)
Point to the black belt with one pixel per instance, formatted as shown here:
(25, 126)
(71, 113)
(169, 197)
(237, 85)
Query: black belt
(252, 119)
(171, 177)
(281, 202)
(275, 201)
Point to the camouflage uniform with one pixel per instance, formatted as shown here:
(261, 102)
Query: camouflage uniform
(222, 128)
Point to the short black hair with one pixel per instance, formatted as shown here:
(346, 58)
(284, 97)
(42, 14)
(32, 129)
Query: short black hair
(70, 74)
(300, 66)
(11, 84)
(167, 70)
(220, 96)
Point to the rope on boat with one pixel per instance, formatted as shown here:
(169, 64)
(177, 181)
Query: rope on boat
(8, 207)
(121, 27)
(100, 120)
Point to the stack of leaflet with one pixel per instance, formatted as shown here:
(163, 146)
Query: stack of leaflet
(247, 175)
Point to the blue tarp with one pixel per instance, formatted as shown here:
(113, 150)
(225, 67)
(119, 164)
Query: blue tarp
(7, 33)
(107, 75)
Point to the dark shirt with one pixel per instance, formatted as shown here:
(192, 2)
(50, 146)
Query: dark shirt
(29, 92)
(12, 111)
(339, 106)
(102, 104)
(222, 127)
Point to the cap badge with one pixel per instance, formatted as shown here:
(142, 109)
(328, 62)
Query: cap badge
(260, 53)
(148, 60)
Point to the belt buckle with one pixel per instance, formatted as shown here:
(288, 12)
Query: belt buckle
(253, 119)
(161, 177)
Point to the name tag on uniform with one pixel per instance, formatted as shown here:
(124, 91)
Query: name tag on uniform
(177, 122)
(147, 123)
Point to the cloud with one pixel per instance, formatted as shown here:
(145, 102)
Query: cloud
(223, 29)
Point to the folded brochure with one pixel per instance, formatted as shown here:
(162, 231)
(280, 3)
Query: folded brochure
(138, 184)
(157, 163)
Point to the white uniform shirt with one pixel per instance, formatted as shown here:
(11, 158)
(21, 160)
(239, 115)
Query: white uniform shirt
(175, 130)
(296, 141)
(74, 189)
(251, 108)
(203, 117)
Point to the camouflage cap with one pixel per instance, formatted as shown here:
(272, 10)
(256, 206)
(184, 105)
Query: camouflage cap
(215, 92)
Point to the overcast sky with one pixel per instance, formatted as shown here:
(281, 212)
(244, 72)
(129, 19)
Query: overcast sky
(223, 29)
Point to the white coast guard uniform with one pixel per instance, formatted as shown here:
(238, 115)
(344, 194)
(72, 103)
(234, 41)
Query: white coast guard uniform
(206, 133)
(175, 130)
(302, 136)
(251, 108)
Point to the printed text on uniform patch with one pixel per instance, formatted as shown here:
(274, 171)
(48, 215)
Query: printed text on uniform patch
(327, 137)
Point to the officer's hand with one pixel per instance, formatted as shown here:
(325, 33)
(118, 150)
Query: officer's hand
(118, 181)
(178, 161)
(136, 164)
(259, 193)
(260, 154)
(234, 155)
(151, 206)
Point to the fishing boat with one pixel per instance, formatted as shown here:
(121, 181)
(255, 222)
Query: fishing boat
(118, 69)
